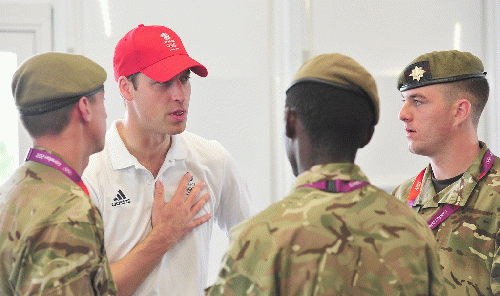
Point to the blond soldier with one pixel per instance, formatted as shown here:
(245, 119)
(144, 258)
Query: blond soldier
(51, 235)
(459, 192)
(335, 234)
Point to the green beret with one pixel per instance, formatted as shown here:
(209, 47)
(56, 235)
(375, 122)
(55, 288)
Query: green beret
(440, 67)
(50, 81)
(343, 72)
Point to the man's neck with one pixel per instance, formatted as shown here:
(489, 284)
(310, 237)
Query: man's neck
(149, 148)
(455, 161)
(71, 150)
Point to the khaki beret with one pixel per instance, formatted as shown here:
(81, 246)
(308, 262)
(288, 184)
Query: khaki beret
(50, 81)
(440, 67)
(343, 72)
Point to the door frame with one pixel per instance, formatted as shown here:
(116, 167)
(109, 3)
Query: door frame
(37, 20)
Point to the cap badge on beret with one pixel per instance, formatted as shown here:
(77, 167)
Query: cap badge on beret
(418, 71)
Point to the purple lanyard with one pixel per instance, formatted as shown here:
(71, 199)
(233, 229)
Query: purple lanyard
(51, 160)
(448, 209)
(336, 186)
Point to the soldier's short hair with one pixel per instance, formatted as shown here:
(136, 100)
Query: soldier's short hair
(478, 91)
(50, 123)
(336, 120)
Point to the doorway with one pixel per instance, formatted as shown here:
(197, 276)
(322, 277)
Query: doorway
(20, 38)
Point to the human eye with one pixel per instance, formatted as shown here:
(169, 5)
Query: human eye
(186, 77)
(414, 100)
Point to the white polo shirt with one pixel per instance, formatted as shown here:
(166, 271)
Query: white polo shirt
(123, 191)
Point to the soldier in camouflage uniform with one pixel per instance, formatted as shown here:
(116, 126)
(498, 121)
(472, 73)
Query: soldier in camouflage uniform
(459, 191)
(51, 235)
(335, 234)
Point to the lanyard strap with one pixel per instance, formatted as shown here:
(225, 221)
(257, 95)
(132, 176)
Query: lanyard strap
(51, 160)
(336, 186)
(415, 189)
(448, 209)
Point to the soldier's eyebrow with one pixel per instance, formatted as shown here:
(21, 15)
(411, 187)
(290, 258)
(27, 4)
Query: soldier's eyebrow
(412, 96)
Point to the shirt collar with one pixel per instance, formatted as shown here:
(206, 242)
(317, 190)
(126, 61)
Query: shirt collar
(121, 157)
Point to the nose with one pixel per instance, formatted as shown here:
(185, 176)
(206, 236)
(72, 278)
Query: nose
(404, 113)
(178, 91)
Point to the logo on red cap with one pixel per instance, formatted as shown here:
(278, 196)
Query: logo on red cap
(169, 41)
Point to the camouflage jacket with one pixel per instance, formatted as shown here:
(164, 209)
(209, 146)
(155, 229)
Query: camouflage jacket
(363, 242)
(468, 240)
(51, 237)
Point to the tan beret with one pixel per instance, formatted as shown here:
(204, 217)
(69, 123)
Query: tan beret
(343, 72)
(440, 67)
(50, 81)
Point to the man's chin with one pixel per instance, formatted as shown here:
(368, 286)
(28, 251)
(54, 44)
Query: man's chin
(177, 129)
(98, 149)
(416, 150)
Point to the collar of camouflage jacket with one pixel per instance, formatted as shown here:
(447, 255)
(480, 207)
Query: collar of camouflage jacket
(457, 193)
(331, 171)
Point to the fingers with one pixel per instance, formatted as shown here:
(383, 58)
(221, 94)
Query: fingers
(196, 208)
(181, 189)
(159, 192)
(190, 207)
(201, 220)
(194, 193)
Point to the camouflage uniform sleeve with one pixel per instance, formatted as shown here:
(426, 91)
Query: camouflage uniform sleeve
(63, 259)
(233, 278)
(495, 272)
(248, 267)
(232, 283)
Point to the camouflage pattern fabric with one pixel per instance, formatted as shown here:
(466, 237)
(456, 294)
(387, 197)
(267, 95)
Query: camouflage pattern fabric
(468, 241)
(364, 242)
(51, 237)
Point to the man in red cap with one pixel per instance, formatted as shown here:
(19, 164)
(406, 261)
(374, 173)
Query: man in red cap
(160, 245)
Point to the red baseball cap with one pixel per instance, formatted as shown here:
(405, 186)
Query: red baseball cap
(156, 51)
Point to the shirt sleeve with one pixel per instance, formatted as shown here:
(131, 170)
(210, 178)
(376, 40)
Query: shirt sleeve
(235, 202)
(63, 259)
(90, 180)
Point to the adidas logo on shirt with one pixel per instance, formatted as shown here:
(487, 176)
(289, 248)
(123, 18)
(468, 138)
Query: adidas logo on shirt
(120, 199)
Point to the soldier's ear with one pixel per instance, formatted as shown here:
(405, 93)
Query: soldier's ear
(463, 111)
(84, 109)
(290, 123)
